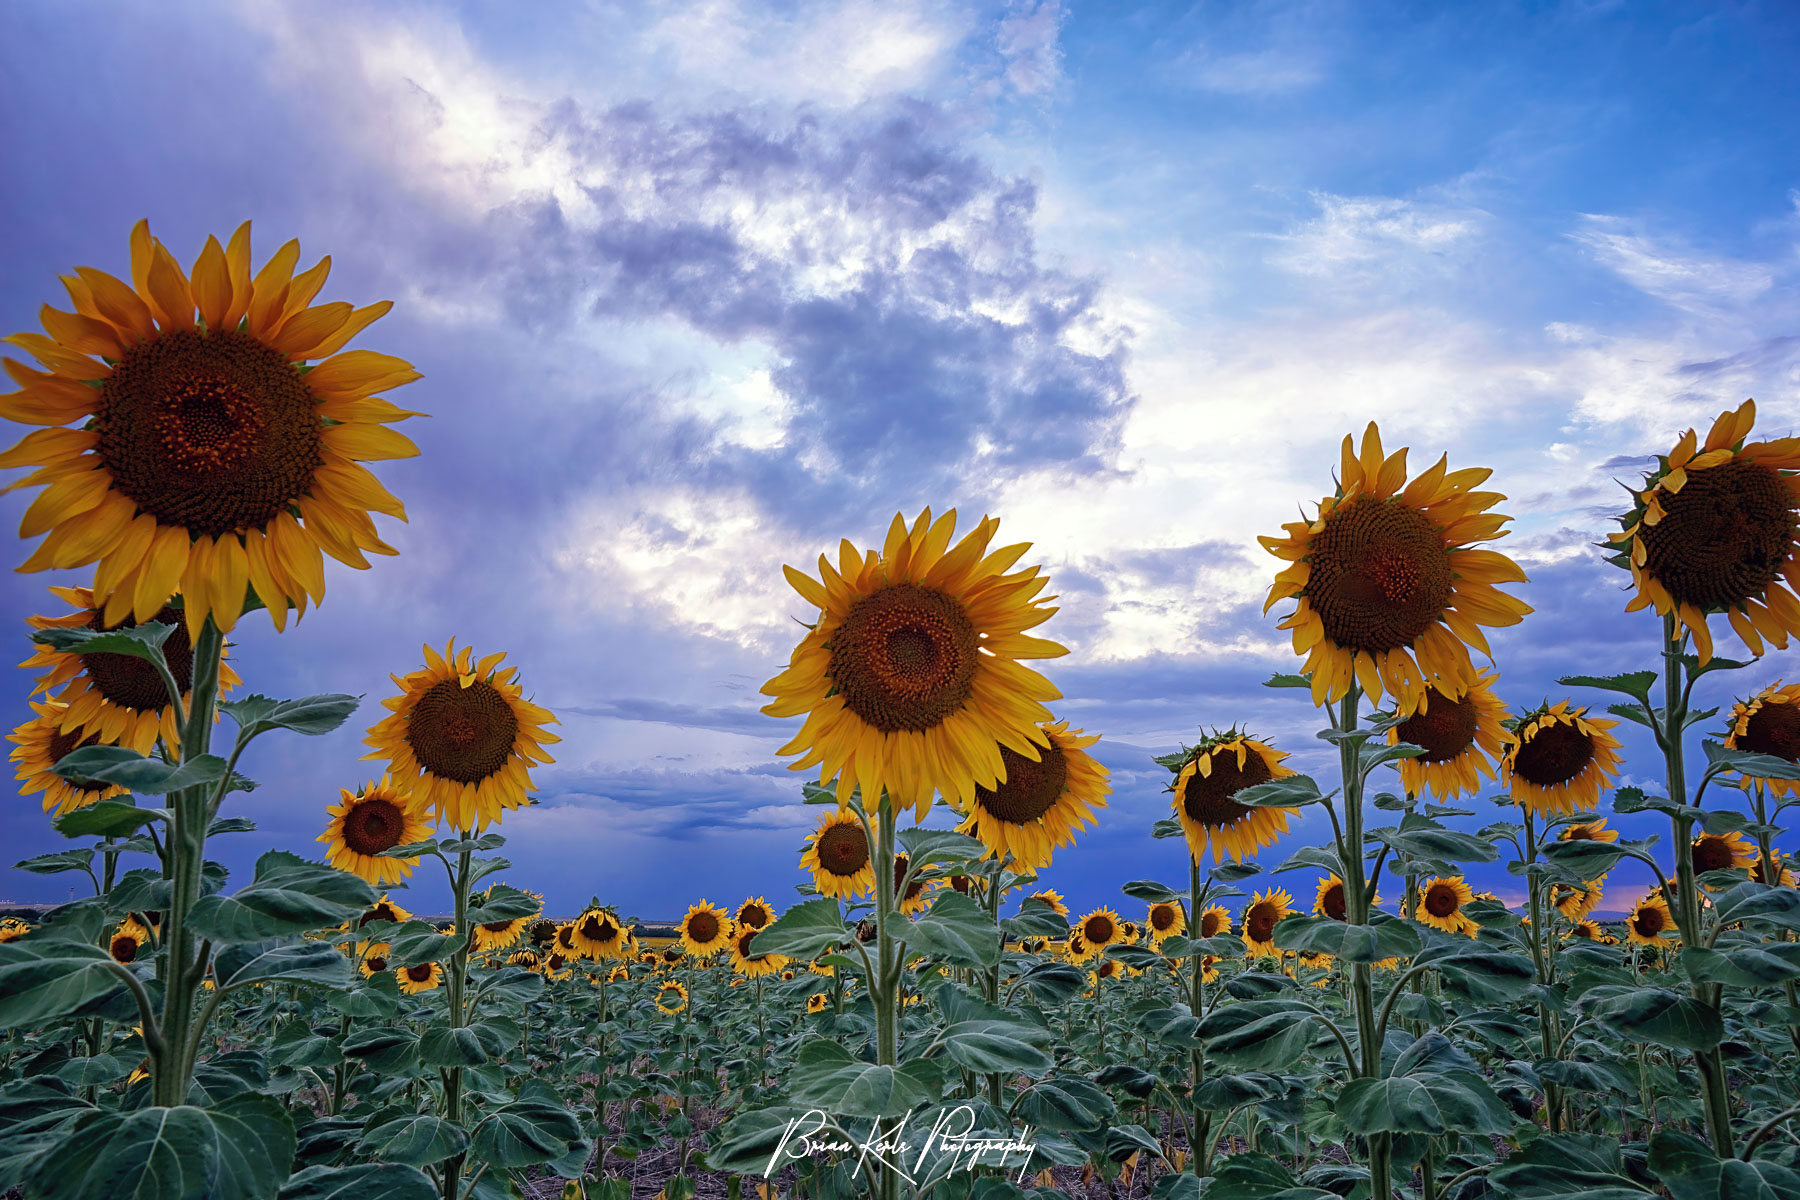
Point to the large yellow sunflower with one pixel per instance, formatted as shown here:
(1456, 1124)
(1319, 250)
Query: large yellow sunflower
(838, 856)
(671, 997)
(1100, 929)
(1768, 723)
(1331, 899)
(910, 679)
(40, 744)
(462, 737)
(749, 964)
(1460, 736)
(1649, 922)
(128, 941)
(1561, 760)
(1389, 587)
(753, 913)
(1723, 852)
(203, 455)
(1441, 904)
(498, 935)
(1714, 530)
(598, 934)
(422, 978)
(376, 817)
(705, 930)
(1260, 917)
(1210, 774)
(1215, 921)
(123, 699)
(1164, 920)
(1783, 873)
(1039, 804)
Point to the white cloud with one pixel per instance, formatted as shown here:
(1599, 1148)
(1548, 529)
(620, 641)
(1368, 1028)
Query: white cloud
(1252, 72)
(1028, 42)
(1688, 281)
(1356, 238)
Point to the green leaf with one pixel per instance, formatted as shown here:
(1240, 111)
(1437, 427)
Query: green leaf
(1591, 860)
(1690, 1170)
(1566, 1166)
(501, 903)
(1744, 762)
(125, 767)
(294, 961)
(385, 1050)
(1434, 1089)
(417, 1140)
(1387, 938)
(824, 1075)
(1419, 836)
(416, 942)
(107, 819)
(1657, 1015)
(140, 641)
(1752, 966)
(1167, 827)
(532, 1129)
(924, 846)
(1296, 791)
(1320, 857)
(58, 862)
(1035, 920)
(366, 1181)
(1260, 1035)
(1232, 872)
(1256, 1176)
(1053, 982)
(1751, 901)
(1279, 680)
(745, 1144)
(804, 931)
(1004, 1046)
(1478, 972)
(312, 715)
(958, 931)
(1067, 1103)
(444, 1046)
(42, 979)
(1636, 684)
(289, 895)
(1151, 891)
(238, 1150)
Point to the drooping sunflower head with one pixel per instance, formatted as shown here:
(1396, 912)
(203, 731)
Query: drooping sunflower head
(1042, 801)
(1389, 589)
(187, 445)
(541, 932)
(564, 942)
(463, 738)
(1208, 776)
(618, 974)
(121, 699)
(910, 678)
(376, 817)
(529, 959)
(1587, 831)
(1649, 921)
(41, 743)
(671, 997)
(1260, 917)
(1100, 929)
(754, 913)
(1461, 736)
(704, 931)
(128, 940)
(1584, 930)
(1561, 761)
(1783, 874)
(1576, 902)
(383, 910)
(837, 855)
(1164, 920)
(748, 963)
(1768, 723)
(1441, 903)
(823, 969)
(1714, 530)
(420, 978)
(1051, 898)
(597, 934)
(558, 965)
(1730, 851)
(818, 1002)
(1215, 921)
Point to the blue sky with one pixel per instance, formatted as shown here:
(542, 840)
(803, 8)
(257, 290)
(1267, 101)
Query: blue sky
(699, 288)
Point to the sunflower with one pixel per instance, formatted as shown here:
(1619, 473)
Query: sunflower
(618, 974)
(1768, 723)
(542, 931)
(1784, 875)
(824, 969)
(1210, 774)
(529, 959)
(1573, 902)
(373, 963)
(1164, 921)
(1100, 929)
(41, 743)
(1649, 920)
(420, 978)
(1215, 921)
(1723, 852)
(564, 942)
(1588, 931)
(1260, 917)
(910, 679)
(750, 965)
(754, 913)
(704, 930)
(838, 856)
(597, 934)
(1441, 902)
(122, 699)
(1461, 736)
(382, 910)
(671, 997)
(463, 737)
(1588, 831)
(1209, 968)
(1714, 530)
(498, 935)
(556, 965)
(1075, 948)
(1106, 968)
(1039, 804)
(377, 816)
(12, 929)
(127, 940)
(1562, 761)
(918, 892)
(818, 1002)
(203, 455)
(1390, 590)
(1330, 900)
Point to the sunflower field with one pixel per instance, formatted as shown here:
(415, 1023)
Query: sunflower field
(1286, 1022)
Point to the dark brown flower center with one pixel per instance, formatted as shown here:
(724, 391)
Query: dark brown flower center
(497, 926)
(842, 849)
(377, 964)
(901, 863)
(1586, 832)
(743, 947)
(1441, 900)
(904, 658)
(62, 743)
(1648, 921)
(381, 912)
(1711, 854)
(1212, 923)
(1098, 928)
(565, 937)
(1553, 755)
(1380, 574)
(1107, 969)
(1259, 921)
(461, 733)
(373, 824)
(543, 931)
(1162, 917)
(1445, 729)
(133, 683)
(1773, 729)
(597, 927)
(1724, 537)
(556, 961)
(1584, 930)
(1332, 903)
(1207, 799)
(215, 432)
(420, 973)
(703, 926)
(755, 916)
(1030, 789)
(124, 949)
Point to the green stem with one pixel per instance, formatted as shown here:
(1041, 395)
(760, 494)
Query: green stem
(1362, 988)
(459, 964)
(884, 985)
